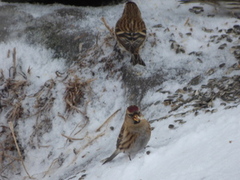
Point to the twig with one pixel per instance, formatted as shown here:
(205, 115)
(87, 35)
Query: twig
(106, 25)
(19, 153)
(1, 159)
(75, 128)
(90, 142)
(14, 63)
(85, 117)
(81, 128)
(107, 120)
(4, 168)
(53, 162)
(11, 157)
(73, 107)
(61, 116)
(71, 138)
(187, 22)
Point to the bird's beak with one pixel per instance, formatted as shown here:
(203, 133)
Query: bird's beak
(136, 118)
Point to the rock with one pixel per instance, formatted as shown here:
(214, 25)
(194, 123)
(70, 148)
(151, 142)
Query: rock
(55, 30)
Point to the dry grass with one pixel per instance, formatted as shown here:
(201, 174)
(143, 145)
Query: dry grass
(8, 151)
(111, 30)
(15, 113)
(13, 91)
(90, 142)
(107, 120)
(74, 94)
(14, 84)
(44, 98)
(11, 96)
(18, 149)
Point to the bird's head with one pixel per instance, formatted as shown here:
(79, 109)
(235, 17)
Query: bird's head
(133, 113)
(131, 10)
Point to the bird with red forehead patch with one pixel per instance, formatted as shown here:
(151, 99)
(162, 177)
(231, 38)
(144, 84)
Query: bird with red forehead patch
(134, 134)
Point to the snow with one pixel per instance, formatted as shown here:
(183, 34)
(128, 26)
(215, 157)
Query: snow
(205, 147)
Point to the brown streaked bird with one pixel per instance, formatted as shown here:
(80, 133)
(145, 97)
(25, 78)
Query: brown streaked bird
(232, 6)
(134, 135)
(130, 32)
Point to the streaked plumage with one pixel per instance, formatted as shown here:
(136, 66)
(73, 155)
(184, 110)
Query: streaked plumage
(232, 6)
(131, 31)
(134, 135)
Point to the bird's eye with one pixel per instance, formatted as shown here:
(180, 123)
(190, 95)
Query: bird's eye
(134, 115)
(131, 115)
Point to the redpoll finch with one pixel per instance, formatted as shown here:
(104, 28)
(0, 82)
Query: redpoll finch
(131, 31)
(232, 6)
(134, 135)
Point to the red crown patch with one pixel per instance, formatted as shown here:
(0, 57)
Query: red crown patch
(132, 109)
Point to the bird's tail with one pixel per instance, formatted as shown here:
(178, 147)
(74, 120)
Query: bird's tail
(136, 59)
(116, 152)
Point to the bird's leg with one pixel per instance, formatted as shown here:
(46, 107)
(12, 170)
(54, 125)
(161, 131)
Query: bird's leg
(129, 157)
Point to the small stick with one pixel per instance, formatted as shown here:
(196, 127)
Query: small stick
(73, 107)
(61, 116)
(187, 22)
(4, 168)
(84, 147)
(81, 128)
(107, 120)
(53, 162)
(1, 158)
(71, 138)
(19, 153)
(75, 128)
(85, 117)
(107, 26)
(14, 63)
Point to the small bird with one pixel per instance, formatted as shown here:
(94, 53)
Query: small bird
(130, 32)
(232, 6)
(134, 135)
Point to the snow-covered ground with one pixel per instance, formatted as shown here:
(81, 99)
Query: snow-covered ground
(199, 144)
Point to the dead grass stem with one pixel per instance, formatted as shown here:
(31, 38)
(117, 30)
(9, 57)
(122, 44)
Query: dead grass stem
(71, 138)
(86, 145)
(18, 150)
(107, 26)
(107, 120)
